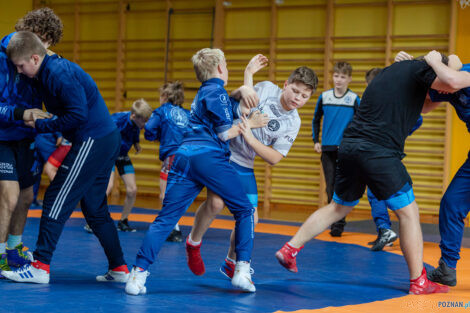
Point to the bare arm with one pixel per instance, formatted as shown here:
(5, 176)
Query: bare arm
(448, 79)
(266, 153)
(256, 63)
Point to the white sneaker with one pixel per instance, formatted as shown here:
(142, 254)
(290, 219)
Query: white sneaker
(136, 283)
(114, 275)
(28, 273)
(242, 277)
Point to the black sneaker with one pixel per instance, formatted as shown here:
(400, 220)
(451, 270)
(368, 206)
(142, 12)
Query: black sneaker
(337, 228)
(386, 236)
(372, 243)
(443, 274)
(124, 226)
(175, 236)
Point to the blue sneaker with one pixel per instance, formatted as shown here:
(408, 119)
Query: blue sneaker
(3, 264)
(17, 258)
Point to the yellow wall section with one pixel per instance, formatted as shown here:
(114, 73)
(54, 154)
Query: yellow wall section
(10, 12)
(460, 136)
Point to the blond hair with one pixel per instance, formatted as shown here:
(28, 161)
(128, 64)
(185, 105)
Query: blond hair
(23, 45)
(173, 92)
(141, 109)
(205, 63)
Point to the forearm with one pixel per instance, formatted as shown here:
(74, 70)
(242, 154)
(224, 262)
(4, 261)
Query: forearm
(266, 153)
(248, 78)
(233, 132)
(428, 105)
(454, 79)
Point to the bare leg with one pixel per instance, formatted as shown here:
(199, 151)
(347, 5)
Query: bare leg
(131, 193)
(320, 220)
(50, 170)
(19, 216)
(9, 193)
(205, 214)
(109, 189)
(231, 250)
(411, 238)
(162, 189)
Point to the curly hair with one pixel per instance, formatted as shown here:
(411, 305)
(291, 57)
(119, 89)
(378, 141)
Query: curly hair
(44, 23)
(173, 92)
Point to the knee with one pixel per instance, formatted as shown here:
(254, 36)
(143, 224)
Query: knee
(215, 205)
(131, 191)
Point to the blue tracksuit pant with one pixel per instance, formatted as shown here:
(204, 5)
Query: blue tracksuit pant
(84, 177)
(454, 208)
(379, 212)
(194, 167)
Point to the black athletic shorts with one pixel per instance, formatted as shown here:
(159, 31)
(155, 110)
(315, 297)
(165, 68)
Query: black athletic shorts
(361, 164)
(124, 165)
(17, 162)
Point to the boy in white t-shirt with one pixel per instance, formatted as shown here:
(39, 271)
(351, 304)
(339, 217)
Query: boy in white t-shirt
(271, 143)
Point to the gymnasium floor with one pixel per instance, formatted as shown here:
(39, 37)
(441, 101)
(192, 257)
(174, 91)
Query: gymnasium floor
(340, 275)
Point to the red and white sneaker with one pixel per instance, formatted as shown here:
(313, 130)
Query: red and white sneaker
(423, 286)
(118, 274)
(228, 268)
(195, 262)
(287, 257)
(36, 272)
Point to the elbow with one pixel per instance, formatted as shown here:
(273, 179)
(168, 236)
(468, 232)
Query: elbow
(454, 84)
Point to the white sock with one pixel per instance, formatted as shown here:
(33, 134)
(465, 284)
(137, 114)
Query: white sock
(13, 241)
(177, 227)
(193, 243)
(3, 247)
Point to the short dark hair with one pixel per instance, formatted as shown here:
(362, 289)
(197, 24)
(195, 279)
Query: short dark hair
(445, 58)
(44, 23)
(372, 73)
(342, 68)
(23, 45)
(306, 76)
(173, 92)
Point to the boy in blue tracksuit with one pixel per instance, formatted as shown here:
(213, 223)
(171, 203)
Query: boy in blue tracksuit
(83, 119)
(18, 171)
(167, 125)
(455, 203)
(203, 160)
(336, 106)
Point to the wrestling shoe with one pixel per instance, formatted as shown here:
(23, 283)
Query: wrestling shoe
(36, 272)
(4, 264)
(228, 267)
(175, 236)
(118, 274)
(423, 286)
(443, 274)
(287, 257)
(88, 229)
(195, 262)
(242, 277)
(16, 256)
(136, 284)
(385, 237)
(125, 227)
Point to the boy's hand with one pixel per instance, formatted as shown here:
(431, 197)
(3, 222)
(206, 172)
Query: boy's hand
(245, 129)
(138, 148)
(317, 147)
(403, 56)
(31, 115)
(249, 96)
(455, 63)
(433, 57)
(256, 63)
(257, 119)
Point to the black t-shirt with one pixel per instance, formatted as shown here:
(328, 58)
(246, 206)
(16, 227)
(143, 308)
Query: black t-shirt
(392, 104)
